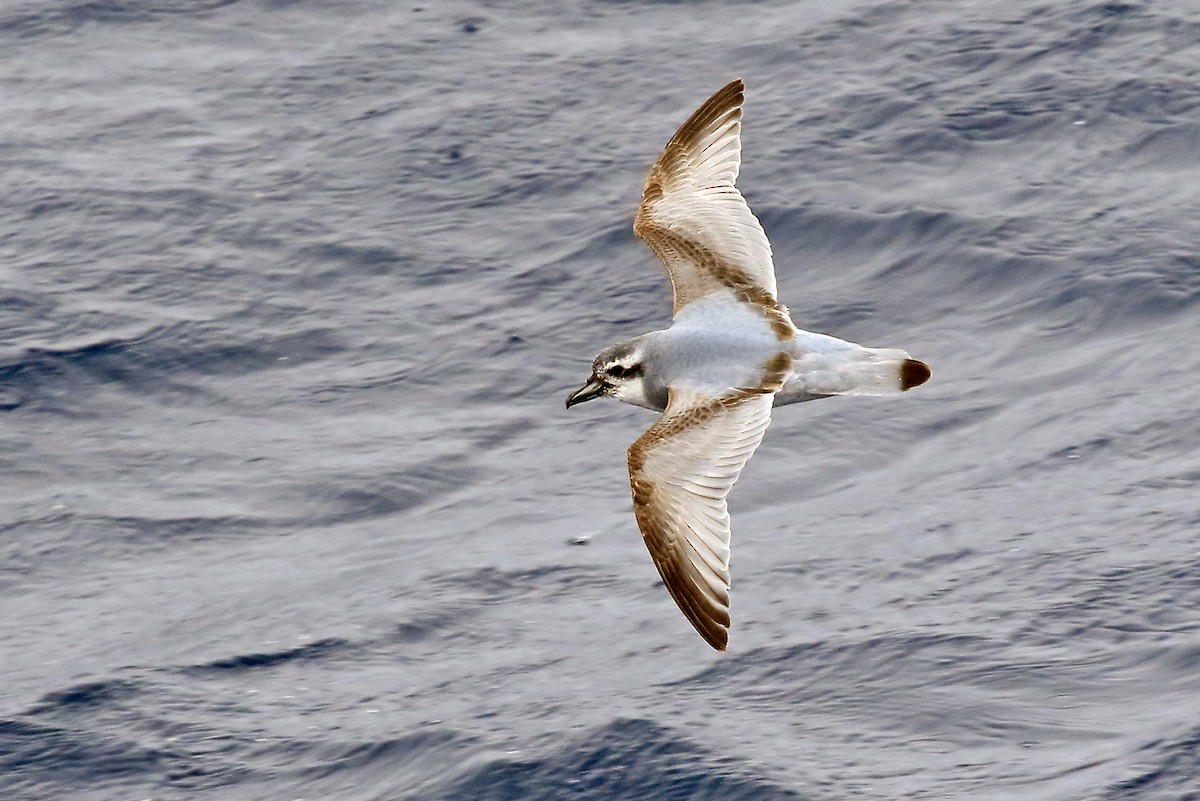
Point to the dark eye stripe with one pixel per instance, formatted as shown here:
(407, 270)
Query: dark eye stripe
(621, 371)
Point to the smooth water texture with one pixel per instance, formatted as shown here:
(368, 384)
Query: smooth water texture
(292, 294)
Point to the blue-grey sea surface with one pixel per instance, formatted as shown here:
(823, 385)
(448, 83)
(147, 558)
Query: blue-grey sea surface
(291, 295)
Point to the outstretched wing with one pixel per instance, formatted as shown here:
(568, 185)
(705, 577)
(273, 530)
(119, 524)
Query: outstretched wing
(694, 218)
(681, 470)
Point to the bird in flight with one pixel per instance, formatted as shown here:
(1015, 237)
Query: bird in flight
(730, 355)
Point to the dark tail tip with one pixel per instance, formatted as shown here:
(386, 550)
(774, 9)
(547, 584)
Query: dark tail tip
(913, 374)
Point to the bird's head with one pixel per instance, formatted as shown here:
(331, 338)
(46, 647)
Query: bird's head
(618, 371)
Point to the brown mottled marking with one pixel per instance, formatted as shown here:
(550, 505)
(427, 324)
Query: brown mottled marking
(668, 245)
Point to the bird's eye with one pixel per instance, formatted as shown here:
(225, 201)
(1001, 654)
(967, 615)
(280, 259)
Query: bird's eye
(621, 371)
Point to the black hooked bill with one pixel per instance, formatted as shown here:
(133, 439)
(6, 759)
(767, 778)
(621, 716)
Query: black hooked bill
(594, 388)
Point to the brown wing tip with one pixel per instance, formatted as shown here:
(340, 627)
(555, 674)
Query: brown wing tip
(735, 87)
(913, 374)
(731, 95)
(714, 632)
(710, 618)
(728, 98)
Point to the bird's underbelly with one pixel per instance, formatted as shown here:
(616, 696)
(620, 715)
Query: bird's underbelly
(715, 361)
(717, 344)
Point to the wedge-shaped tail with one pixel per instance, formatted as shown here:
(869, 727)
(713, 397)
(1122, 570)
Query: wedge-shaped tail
(824, 366)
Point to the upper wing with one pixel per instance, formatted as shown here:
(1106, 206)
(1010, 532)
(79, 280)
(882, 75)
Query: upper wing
(695, 219)
(681, 470)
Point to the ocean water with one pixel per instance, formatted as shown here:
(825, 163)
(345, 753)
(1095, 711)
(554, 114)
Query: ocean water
(292, 294)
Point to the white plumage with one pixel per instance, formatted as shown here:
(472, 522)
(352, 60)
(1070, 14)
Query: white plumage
(731, 353)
